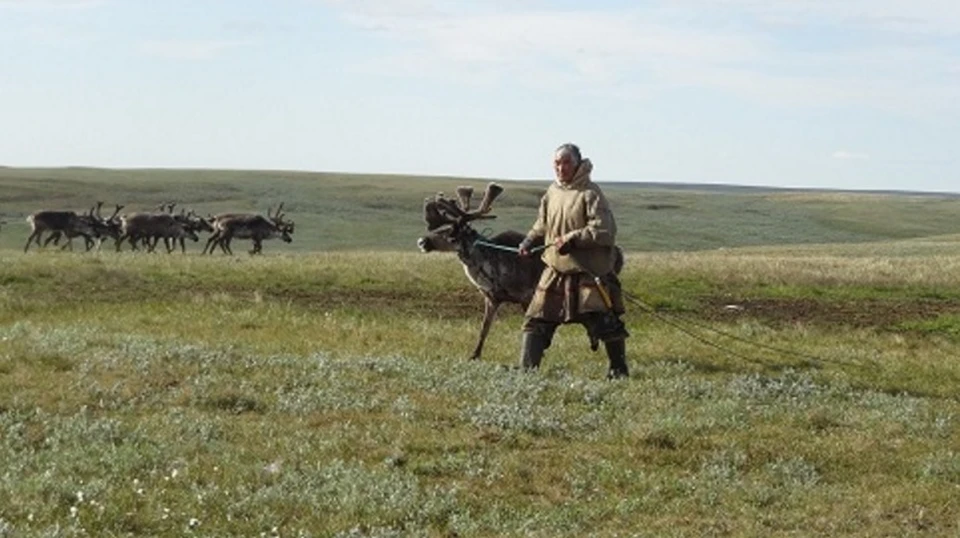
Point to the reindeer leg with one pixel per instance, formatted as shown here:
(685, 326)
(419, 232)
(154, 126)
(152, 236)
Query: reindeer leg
(490, 308)
(225, 244)
(33, 235)
(218, 243)
(211, 242)
(54, 237)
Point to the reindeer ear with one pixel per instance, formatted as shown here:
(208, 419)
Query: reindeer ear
(463, 196)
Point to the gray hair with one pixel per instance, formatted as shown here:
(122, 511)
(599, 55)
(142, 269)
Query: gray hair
(569, 149)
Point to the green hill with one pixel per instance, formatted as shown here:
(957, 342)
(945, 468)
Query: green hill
(336, 211)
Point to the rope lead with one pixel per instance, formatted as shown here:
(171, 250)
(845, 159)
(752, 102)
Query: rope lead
(687, 326)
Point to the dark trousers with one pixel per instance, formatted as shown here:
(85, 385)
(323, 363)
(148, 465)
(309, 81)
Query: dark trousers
(604, 327)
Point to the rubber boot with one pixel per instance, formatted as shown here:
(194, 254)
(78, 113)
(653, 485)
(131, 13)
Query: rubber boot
(617, 354)
(531, 350)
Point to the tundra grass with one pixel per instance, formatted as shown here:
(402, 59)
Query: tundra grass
(335, 211)
(327, 394)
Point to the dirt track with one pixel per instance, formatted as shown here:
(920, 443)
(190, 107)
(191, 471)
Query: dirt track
(865, 313)
(467, 303)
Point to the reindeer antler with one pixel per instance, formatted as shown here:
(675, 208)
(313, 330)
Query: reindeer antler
(277, 216)
(451, 211)
(463, 195)
(489, 195)
(432, 215)
(116, 212)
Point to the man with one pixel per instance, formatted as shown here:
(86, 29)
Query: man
(579, 284)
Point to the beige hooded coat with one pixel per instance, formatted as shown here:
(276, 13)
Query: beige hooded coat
(578, 212)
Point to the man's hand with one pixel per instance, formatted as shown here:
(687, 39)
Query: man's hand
(563, 247)
(524, 248)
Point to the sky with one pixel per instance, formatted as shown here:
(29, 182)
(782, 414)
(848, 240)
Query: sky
(840, 94)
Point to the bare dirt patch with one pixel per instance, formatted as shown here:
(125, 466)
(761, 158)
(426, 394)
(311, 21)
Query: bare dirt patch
(466, 303)
(862, 313)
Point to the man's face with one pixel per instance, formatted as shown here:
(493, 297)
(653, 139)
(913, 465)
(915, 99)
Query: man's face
(564, 166)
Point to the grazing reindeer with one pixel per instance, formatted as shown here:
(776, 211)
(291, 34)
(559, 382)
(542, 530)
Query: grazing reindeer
(501, 275)
(138, 226)
(68, 223)
(257, 228)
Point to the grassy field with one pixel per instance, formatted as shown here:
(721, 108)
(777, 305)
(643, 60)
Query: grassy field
(354, 212)
(786, 380)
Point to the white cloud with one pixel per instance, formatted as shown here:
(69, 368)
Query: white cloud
(50, 35)
(924, 16)
(189, 49)
(845, 155)
(723, 45)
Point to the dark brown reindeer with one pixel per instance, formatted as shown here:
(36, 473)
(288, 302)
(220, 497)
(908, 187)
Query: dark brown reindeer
(137, 227)
(102, 228)
(67, 223)
(499, 273)
(492, 264)
(190, 222)
(230, 226)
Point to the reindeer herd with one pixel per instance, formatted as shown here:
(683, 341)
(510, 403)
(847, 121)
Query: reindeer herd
(144, 230)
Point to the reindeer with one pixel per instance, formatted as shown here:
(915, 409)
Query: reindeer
(193, 222)
(137, 226)
(491, 264)
(501, 276)
(190, 222)
(68, 223)
(102, 228)
(258, 228)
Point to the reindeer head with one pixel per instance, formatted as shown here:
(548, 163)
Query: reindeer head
(194, 222)
(285, 227)
(448, 219)
(110, 226)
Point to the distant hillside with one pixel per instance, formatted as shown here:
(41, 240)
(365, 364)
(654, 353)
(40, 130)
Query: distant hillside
(336, 211)
(727, 188)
